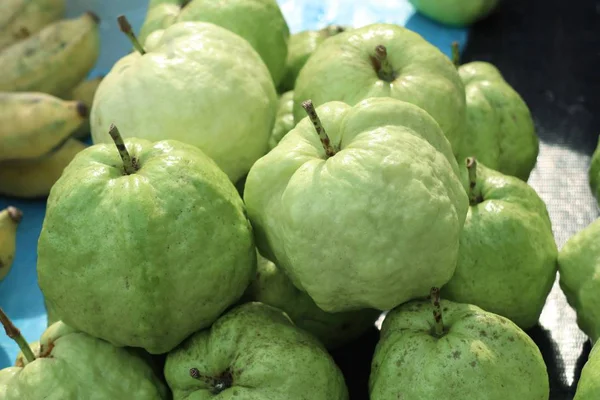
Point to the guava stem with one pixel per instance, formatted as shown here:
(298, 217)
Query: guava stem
(127, 160)
(438, 327)
(455, 54)
(125, 27)
(15, 334)
(474, 195)
(314, 118)
(382, 64)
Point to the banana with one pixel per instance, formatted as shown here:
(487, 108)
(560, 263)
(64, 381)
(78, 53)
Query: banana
(22, 18)
(32, 124)
(84, 92)
(54, 60)
(35, 178)
(161, 14)
(9, 220)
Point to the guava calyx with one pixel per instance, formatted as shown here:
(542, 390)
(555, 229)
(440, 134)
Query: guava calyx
(217, 383)
(382, 64)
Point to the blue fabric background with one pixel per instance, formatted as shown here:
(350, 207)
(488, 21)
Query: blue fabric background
(20, 296)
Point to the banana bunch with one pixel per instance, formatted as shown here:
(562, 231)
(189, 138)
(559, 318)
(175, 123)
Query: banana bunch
(44, 94)
(9, 220)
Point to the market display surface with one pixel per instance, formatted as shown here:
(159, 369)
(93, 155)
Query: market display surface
(262, 181)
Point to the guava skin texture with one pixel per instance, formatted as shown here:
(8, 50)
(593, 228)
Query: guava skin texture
(507, 259)
(316, 217)
(272, 287)
(284, 121)
(253, 352)
(588, 387)
(189, 87)
(73, 366)
(342, 69)
(148, 258)
(579, 267)
(455, 12)
(481, 356)
(499, 130)
(260, 22)
(300, 48)
(594, 173)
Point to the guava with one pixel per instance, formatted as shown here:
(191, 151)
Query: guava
(450, 351)
(507, 259)
(499, 128)
(253, 352)
(284, 121)
(588, 386)
(144, 244)
(579, 270)
(300, 48)
(361, 206)
(272, 286)
(455, 12)
(197, 83)
(594, 173)
(384, 60)
(260, 22)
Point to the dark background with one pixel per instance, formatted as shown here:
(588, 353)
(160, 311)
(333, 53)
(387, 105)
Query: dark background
(549, 51)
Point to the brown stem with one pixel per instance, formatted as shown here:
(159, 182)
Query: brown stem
(382, 64)
(15, 334)
(438, 327)
(125, 27)
(474, 193)
(314, 118)
(455, 54)
(128, 162)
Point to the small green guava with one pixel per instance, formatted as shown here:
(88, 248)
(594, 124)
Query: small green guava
(450, 351)
(594, 173)
(312, 205)
(300, 48)
(507, 259)
(253, 352)
(284, 121)
(455, 12)
(384, 60)
(588, 386)
(272, 287)
(152, 242)
(579, 270)
(71, 365)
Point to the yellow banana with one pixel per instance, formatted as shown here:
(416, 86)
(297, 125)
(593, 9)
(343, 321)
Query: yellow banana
(161, 14)
(84, 92)
(9, 220)
(34, 178)
(54, 60)
(33, 124)
(22, 18)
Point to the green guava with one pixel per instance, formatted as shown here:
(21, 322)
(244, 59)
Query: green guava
(160, 15)
(499, 127)
(253, 352)
(272, 286)
(145, 249)
(507, 259)
(588, 387)
(260, 22)
(300, 48)
(455, 12)
(72, 365)
(284, 121)
(579, 270)
(594, 173)
(369, 221)
(198, 83)
(459, 352)
(384, 60)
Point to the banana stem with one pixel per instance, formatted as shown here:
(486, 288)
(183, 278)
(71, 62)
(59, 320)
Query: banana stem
(15, 334)
(314, 118)
(125, 27)
(128, 162)
(382, 64)
(455, 54)
(474, 194)
(15, 214)
(438, 327)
